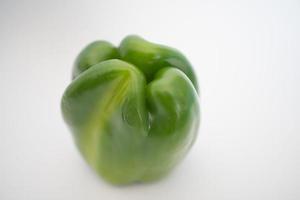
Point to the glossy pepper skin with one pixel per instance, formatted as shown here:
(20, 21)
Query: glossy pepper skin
(133, 109)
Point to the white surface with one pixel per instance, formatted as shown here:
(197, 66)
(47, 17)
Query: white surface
(247, 57)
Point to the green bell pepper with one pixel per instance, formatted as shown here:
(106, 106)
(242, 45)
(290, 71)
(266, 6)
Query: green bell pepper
(133, 110)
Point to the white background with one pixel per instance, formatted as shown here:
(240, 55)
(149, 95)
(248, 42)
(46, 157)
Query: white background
(247, 58)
